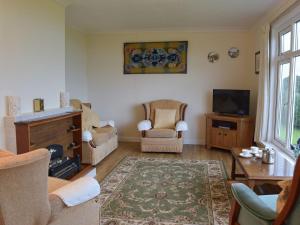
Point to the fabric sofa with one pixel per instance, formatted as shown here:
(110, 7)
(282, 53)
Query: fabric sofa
(163, 139)
(99, 137)
(29, 197)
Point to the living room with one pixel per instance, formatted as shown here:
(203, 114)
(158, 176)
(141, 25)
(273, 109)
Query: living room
(65, 63)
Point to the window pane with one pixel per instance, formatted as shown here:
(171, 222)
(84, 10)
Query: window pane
(283, 102)
(286, 42)
(298, 35)
(296, 125)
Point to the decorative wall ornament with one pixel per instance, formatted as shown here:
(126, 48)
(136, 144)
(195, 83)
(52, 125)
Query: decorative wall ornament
(213, 57)
(38, 105)
(155, 57)
(64, 99)
(257, 62)
(13, 105)
(233, 52)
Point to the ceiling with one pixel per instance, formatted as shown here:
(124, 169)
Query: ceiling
(135, 15)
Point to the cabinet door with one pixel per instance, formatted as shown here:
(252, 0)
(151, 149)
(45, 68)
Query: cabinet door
(229, 138)
(217, 137)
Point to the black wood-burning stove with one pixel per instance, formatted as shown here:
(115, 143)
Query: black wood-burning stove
(62, 166)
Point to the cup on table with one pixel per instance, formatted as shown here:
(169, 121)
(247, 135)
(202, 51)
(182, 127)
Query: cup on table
(259, 154)
(254, 149)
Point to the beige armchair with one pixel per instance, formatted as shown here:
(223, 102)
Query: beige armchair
(161, 136)
(100, 138)
(27, 194)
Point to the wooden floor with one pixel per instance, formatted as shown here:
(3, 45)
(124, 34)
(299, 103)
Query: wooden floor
(196, 152)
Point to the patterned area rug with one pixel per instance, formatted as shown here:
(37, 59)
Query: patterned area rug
(155, 191)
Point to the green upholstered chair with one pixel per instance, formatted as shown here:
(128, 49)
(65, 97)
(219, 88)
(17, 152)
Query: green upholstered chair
(251, 209)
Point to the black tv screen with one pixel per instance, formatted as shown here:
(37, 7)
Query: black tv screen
(234, 102)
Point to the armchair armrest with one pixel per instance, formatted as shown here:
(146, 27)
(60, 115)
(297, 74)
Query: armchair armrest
(79, 191)
(181, 126)
(144, 125)
(247, 199)
(87, 136)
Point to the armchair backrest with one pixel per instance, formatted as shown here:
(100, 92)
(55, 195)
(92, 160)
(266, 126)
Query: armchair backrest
(291, 211)
(164, 104)
(24, 189)
(76, 104)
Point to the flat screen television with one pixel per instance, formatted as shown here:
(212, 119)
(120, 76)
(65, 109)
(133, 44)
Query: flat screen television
(232, 102)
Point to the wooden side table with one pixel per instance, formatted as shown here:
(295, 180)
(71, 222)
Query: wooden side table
(257, 172)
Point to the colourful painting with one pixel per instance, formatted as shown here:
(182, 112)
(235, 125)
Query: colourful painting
(155, 57)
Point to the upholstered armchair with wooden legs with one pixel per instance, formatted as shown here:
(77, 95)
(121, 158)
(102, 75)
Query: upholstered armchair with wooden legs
(163, 126)
(29, 197)
(251, 209)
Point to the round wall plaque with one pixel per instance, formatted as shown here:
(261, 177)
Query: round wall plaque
(233, 52)
(213, 57)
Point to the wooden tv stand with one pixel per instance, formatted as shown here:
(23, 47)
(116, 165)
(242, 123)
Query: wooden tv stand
(227, 132)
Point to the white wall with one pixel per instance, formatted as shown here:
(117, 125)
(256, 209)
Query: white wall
(32, 53)
(119, 97)
(76, 64)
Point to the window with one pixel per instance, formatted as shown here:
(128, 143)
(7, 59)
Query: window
(285, 77)
(285, 42)
(282, 112)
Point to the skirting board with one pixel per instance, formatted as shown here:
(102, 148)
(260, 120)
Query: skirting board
(188, 141)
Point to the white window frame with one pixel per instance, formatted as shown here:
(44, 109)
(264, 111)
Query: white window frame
(281, 26)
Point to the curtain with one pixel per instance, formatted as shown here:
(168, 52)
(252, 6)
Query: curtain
(262, 114)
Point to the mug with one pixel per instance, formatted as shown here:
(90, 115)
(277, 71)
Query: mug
(254, 149)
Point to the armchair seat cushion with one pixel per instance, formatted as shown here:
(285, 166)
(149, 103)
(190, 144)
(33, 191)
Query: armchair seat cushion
(103, 134)
(161, 133)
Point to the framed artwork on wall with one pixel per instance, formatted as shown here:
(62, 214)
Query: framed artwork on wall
(257, 62)
(155, 57)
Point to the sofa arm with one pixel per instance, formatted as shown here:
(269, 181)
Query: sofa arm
(144, 125)
(248, 200)
(181, 126)
(79, 191)
(62, 214)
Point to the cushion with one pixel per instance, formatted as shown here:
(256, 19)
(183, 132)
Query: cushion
(100, 138)
(103, 134)
(165, 104)
(106, 129)
(161, 133)
(165, 118)
(90, 119)
(283, 195)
